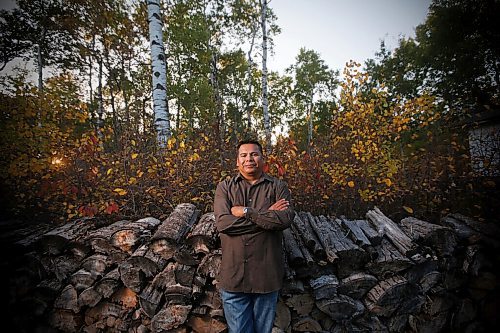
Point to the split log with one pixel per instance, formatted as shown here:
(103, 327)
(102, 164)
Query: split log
(171, 231)
(326, 239)
(357, 285)
(355, 232)
(68, 299)
(386, 297)
(203, 238)
(301, 222)
(125, 297)
(83, 279)
(122, 235)
(305, 252)
(293, 286)
(295, 255)
(210, 265)
(61, 266)
(102, 311)
(289, 272)
(306, 324)
(96, 264)
(206, 324)
(283, 317)
(184, 274)
(351, 257)
(109, 283)
(386, 226)
(389, 261)
(69, 235)
(151, 296)
(211, 299)
(142, 265)
(184, 255)
(301, 303)
(442, 238)
(324, 286)
(341, 307)
(372, 234)
(178, 294)
(425, 274)
(170, 317)
(89, 297)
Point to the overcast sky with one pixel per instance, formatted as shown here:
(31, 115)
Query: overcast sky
(341, 30)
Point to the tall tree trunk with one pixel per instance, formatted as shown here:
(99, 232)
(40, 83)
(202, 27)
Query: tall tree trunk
(218, 100)
(265, 110)
(40, 67)
(310, 126)
(159, 81)
(100, 104)
(249, 77)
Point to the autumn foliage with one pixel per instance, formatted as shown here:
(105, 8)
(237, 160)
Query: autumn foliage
(394, 154)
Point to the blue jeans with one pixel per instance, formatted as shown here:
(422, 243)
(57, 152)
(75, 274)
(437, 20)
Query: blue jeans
(249, 313)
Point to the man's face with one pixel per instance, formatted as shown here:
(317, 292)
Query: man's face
(250, 161)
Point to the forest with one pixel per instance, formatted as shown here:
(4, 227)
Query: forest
(101, 132)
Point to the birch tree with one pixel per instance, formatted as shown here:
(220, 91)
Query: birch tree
(313, 79)
(265, 110)
(159, 81)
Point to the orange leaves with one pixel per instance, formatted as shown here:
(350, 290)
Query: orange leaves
(112, 208)
(350, 184)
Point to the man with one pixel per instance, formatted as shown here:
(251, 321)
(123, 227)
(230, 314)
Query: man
(251, 210)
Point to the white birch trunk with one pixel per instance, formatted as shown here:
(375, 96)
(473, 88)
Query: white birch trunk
(162, 119)
(265, 110)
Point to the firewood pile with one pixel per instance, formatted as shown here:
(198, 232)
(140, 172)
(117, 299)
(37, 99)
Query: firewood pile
(370, 275)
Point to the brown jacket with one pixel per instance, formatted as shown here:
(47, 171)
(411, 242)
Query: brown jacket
(252, 254)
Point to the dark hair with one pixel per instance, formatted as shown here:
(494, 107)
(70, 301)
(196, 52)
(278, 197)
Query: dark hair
(249, 142)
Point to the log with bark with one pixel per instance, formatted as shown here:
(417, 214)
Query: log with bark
(204, 236)
(342, 275)
(392, 231)
(169, 234)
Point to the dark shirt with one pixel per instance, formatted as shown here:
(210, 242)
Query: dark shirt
(252, 253)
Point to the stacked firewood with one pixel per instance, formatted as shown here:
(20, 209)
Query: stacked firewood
(341, 275)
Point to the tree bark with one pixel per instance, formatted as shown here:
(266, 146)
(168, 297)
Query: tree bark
(159, 79)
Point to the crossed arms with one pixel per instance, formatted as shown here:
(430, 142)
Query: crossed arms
(231, 220)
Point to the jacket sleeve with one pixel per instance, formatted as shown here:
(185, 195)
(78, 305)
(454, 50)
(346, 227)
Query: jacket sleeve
(273, 219)
(225, 221)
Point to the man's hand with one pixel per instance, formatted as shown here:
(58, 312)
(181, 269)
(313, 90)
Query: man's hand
(281, 204)
(237, 211)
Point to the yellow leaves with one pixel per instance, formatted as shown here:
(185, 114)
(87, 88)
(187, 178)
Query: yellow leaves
(408, 209)
(132, 180)
(120, 191)
(110, 170)
(194, 157)
(387, 182)
(350, 184)
(134, 156)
